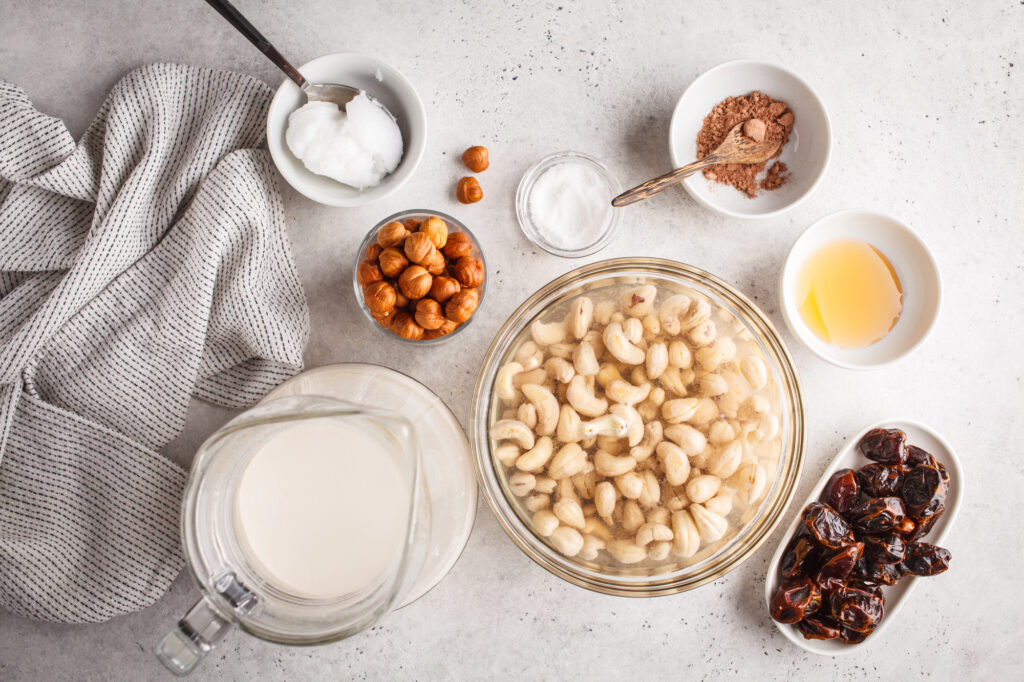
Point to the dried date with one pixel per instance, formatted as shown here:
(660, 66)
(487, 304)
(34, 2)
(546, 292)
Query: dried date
(873, 572)
(818, 627)
(842, 491)
(924, 491)
(826, 526)
(837, 568)
(795, 599)
(924, 526)
(881, 480)
(885, 549)
(888, 446)
(925, 559)
(856, 609)
(879, 515)
(798, 557)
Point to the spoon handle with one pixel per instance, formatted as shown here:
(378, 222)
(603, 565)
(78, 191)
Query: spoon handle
(663, 182)
(235, 18)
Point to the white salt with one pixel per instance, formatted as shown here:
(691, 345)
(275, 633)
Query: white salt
(358, 146)
(570, 206)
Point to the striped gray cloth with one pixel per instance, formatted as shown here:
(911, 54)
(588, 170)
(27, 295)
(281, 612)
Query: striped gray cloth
(143, 266)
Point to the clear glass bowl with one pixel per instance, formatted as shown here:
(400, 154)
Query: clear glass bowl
(454, 225)
(604, 574)
(523, 204)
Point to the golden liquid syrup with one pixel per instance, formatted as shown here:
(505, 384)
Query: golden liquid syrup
(848, 294)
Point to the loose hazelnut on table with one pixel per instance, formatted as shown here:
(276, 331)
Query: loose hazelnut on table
(436, 229)
(444, 288)
(392, 262)
(405, 326)
(468, 191)
(476, 159)
(379, 297)
(368, 273)
(418, 248)
(429, 314)
(469, 272)
(391, 234)
(459, 245)
(415, 281)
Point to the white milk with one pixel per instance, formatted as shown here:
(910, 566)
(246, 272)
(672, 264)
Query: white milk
(322, 508)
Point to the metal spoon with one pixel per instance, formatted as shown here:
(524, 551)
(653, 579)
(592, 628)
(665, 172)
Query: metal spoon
(315, 92)
(735, 148)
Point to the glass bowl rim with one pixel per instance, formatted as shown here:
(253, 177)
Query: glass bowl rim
(371, 237)
(749, 536)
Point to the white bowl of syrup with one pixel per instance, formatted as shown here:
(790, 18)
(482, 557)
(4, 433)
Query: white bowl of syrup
(860, 289)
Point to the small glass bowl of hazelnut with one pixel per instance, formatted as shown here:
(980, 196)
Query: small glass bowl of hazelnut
(420, 276)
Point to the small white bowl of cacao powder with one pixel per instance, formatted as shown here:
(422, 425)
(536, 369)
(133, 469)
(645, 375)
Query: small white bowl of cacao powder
(789, 109)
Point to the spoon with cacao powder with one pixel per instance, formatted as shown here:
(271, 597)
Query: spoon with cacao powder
(735, 148)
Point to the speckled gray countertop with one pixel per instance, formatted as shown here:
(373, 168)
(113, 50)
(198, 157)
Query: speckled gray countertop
(927, 109)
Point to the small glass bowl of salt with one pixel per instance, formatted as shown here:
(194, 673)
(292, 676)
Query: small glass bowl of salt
(564, 204)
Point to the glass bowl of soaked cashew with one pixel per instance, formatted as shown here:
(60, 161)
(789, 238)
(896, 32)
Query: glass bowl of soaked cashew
(638, 427)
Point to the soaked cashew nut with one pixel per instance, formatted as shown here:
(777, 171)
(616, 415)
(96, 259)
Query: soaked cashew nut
(767, 428)
(567, 540)
(673, 381)
(609, 465)
(618, 345)
(630, 485)
(679, 355)
(560, 369)
(698, 313)
(534, 459)
(725, 462)
(521, 483)
(703, 334)
(659, 551)
(702, 488)
(632, 516)
(752, 481)
(598, 528)
(568, 461)
(685, 536)
(657, 359)
(581, 396)
(570, 426)
(547, 333)
(754, 371)
(544, 523)
(707, 411)
(612, 425)
(584, 360)
(652, 328)
(720, 504)
(513, 430)
(569, 512)
(634, 424)
(626, 552)
(604, 310)
(650, 496)
(638, 301)
(686, 437)
(719, 353)
(713, 385)
(579, 317)
(533, 376)
(507, 453)
(679, 410)
(545, 484)
(527, 414)
(561, 350)
(591, 546)
(633, 329)
(721, 433)
(652, 532)
(674, 463)
(753, 407)
(547, 407)
(537, 502)
(503, 385)
(710, 525)
(625, 393)
(604, 500)
(653, 434)
(670, 311)
(607, 374)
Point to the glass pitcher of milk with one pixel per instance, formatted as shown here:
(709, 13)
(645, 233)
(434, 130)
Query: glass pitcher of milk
(303, 522)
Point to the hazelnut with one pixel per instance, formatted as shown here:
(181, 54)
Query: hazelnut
(461, 306)
(373, 252)
(400, 299)
(368, 273)
(436, 265)
(468, 191)
(391, 234)
(446, 328)
(459, 245)
(419, 248)
(436, 229)
(412, 224)
(444, 288)
(415, 281)
(429, 314)
(469, 272)
(392, 262)
(406, 327)
(384, 319)
(476, 159)
(379, 297)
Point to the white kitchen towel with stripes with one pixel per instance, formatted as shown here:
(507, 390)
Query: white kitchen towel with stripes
(143, 266)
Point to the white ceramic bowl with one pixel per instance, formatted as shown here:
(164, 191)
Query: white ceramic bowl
(914, 264)
(806, 155)
(850, 458)
(391, 89)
